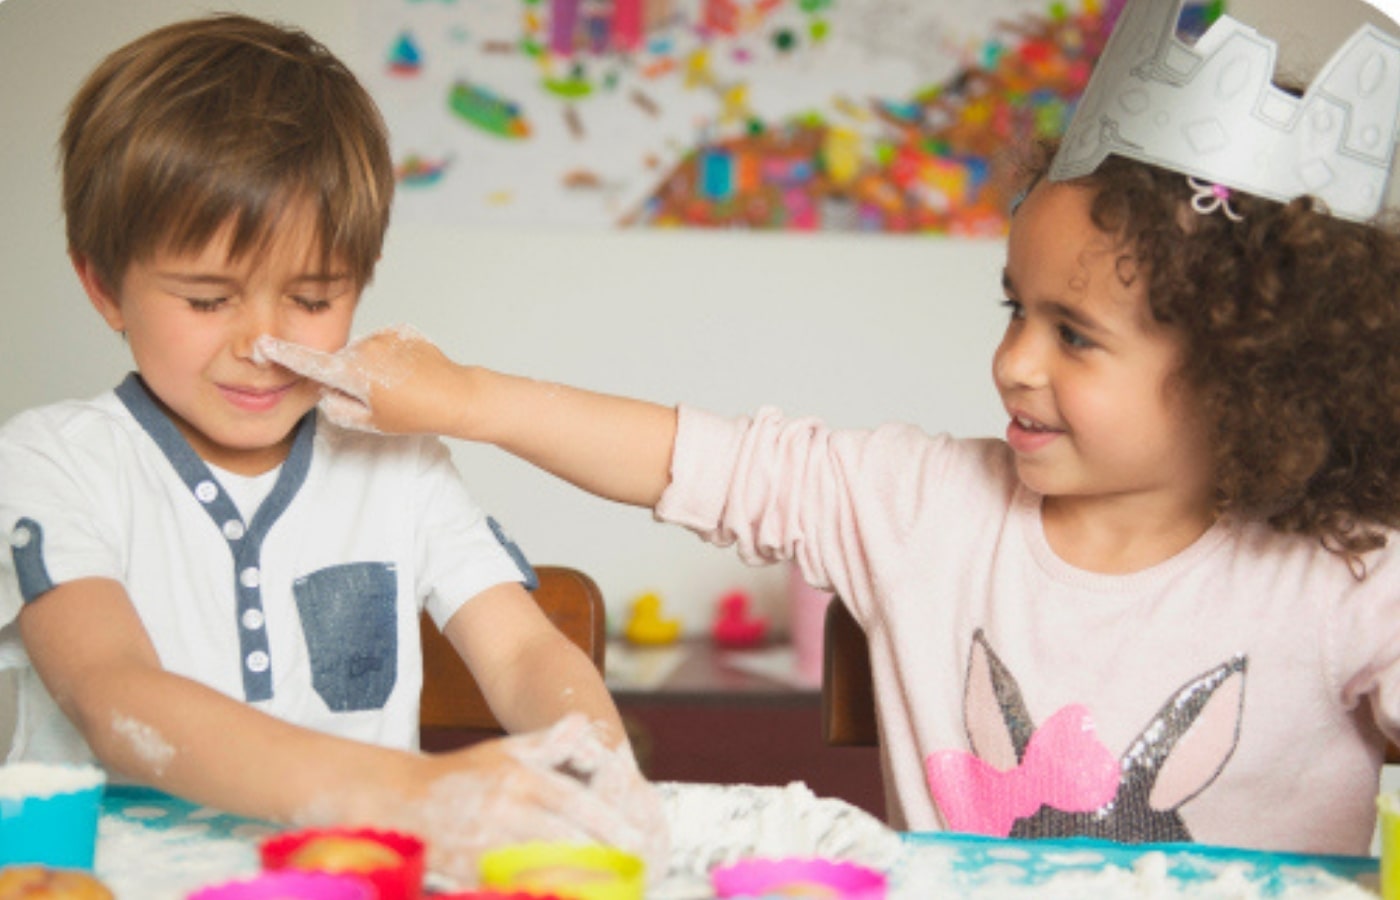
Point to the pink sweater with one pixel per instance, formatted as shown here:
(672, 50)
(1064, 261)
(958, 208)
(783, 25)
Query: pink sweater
(1238, 693)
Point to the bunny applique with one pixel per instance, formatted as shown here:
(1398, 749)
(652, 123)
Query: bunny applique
(1059, 780)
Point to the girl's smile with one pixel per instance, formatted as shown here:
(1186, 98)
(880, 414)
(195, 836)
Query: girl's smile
(1026, 435)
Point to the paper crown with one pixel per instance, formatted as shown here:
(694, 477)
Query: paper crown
(1212, 111)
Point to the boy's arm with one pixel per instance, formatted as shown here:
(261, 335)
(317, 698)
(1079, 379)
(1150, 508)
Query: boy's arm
(397, 381)
(88, 645)
(530, 673)
(156, 727)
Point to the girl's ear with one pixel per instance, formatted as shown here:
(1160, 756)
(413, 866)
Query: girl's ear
(103, 299)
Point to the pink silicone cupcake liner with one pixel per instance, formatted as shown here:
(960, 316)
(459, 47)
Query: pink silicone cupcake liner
(289, 885)
(765, 877)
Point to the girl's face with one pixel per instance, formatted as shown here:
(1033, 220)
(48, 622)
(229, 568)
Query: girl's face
(1085, 372)
(191, 320)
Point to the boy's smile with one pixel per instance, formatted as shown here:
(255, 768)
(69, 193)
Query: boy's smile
(191, 320)
(1087, 375)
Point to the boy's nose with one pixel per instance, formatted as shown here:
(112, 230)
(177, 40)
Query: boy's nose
(253, 324)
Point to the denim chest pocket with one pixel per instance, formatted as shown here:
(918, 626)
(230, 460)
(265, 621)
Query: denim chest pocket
(348, 615)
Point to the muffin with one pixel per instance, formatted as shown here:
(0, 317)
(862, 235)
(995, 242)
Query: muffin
(44, 883)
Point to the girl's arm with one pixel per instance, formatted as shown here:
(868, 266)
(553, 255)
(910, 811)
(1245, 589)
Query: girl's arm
(397, 381)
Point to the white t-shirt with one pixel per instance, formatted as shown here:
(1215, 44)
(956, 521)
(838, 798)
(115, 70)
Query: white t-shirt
(307, 609)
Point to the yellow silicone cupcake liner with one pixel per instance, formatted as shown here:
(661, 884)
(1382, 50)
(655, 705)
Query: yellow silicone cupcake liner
(574, 871)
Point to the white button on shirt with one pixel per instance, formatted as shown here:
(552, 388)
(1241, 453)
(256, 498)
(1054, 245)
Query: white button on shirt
(253, 619)
(233, 529)
(20, 537)
(206, 491)
(257, 661)
(250, 577)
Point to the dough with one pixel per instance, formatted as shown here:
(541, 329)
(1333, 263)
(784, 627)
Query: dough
(336, 853)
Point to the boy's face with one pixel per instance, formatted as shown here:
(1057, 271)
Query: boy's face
(191, 320)
(1086, 374)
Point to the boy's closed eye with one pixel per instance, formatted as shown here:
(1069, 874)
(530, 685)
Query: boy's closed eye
(205, 304)
(313, 304)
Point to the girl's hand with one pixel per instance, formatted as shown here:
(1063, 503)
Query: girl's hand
(394, 380)
(561, 784)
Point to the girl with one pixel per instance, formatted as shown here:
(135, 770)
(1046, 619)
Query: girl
(1165, 607)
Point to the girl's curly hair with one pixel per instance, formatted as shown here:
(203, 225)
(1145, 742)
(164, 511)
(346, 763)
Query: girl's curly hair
(1291, 320)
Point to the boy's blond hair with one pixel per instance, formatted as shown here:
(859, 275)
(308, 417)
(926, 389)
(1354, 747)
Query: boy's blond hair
(219, 120)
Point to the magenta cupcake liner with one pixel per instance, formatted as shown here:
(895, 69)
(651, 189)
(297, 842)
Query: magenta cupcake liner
(289, 885)
(768, 877)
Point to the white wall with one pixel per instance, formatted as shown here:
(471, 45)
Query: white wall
(859, 330)
(856, 329)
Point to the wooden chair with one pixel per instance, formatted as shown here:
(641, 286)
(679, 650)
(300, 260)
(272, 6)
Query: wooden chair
(452, 711)
(848, 695)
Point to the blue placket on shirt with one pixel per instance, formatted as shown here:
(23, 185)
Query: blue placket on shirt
(244, 541)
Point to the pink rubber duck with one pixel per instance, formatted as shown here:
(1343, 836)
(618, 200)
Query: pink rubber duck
(734, 627)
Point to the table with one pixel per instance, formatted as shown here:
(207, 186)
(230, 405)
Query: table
(711, 721)
(155, 847)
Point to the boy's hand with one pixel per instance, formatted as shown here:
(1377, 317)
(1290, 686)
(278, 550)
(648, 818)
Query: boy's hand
(561, 784)
(394, 380)
(578, 790)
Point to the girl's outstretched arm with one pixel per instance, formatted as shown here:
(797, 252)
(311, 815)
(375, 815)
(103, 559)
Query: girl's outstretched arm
(397, 381)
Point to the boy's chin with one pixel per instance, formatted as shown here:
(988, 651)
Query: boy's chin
(248, 450)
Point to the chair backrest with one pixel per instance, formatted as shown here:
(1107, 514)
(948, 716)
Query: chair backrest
(848, 694)
(452, 704)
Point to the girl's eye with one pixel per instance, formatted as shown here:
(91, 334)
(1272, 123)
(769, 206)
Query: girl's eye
(205, 304)
(1014, 307)
(1074, 339)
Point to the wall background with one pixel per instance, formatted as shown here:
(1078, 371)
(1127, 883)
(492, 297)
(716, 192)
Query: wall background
(858, 330)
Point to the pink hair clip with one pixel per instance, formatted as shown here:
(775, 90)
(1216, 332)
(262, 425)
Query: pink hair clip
(1210, 197)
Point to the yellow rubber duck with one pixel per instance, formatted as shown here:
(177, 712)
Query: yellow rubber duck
(646, 626)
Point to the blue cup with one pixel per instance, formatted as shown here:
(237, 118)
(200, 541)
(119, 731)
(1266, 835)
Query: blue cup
(48, 814)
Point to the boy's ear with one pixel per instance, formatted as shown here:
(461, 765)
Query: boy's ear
(103, 299)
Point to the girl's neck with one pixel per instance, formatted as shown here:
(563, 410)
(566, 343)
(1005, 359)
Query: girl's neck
(1115, 536)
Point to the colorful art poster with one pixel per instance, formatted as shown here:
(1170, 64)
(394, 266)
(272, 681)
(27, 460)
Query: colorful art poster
(893, 116)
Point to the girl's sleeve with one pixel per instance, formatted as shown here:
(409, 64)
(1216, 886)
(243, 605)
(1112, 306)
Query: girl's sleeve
(1364, 648)
(836, 502)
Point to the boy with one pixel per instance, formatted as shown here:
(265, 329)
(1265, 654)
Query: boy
(218, 593)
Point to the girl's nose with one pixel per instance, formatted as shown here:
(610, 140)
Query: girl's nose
(1019, 362)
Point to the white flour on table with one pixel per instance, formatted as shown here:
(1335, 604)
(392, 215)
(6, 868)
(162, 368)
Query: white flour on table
(146, 854)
